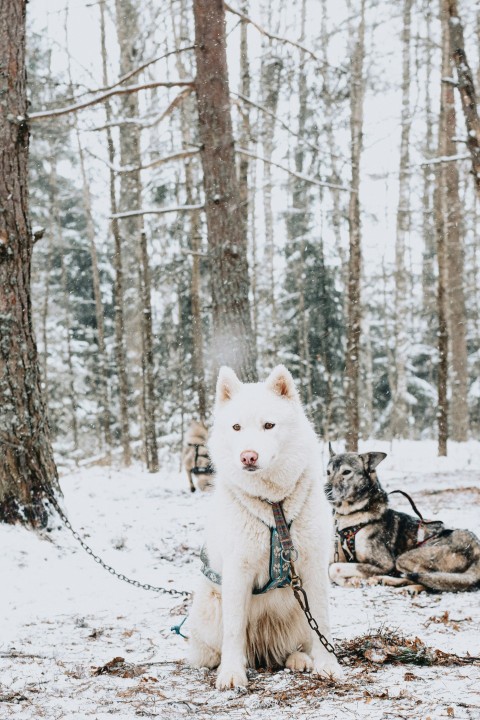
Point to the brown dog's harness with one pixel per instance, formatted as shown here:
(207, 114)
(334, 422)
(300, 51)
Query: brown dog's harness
(348, 535)
(347, 539)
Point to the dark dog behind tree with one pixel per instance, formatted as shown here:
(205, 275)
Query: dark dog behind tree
(373, 540)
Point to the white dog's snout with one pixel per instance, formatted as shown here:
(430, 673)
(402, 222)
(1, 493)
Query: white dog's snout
(249, 457)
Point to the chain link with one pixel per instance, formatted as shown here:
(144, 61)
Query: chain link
(102, 563)
(302, 599)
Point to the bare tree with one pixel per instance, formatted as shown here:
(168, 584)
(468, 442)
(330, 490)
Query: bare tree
(128, 32)
(399, 391)
(233, 341)
(466, 88)
(26, 458)
(454, 228)
(441, 234)
(352, 362)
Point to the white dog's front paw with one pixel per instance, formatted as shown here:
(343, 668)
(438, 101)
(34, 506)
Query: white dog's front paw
(299, 661)
(228, 679)
(329, 668)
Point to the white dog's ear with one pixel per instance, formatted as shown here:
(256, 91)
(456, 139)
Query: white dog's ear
(282, 383)
(227, 384)
(372, 459)
(331, 450)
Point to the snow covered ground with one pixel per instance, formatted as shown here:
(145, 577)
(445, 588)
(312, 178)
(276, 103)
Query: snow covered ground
(62, 615)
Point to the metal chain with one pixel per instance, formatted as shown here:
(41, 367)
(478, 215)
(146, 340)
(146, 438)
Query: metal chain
(98, 559)
(302, 599)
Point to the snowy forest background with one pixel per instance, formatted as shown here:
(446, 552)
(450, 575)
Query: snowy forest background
(293, 109)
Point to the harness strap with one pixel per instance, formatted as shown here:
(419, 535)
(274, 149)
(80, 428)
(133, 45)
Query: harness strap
(283, 531)
(347, 539)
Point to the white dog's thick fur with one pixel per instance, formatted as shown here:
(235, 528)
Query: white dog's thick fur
(229, 626)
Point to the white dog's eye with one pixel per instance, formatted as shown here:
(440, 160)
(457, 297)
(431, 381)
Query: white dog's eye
(236, 427)
(269, 426)
(347, 472)
(329, 472)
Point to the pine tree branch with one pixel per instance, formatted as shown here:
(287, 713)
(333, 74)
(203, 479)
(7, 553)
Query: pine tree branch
(106, 96)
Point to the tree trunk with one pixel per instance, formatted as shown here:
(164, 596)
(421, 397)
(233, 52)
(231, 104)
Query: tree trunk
(187, 121)
(428, 223)
(26, 457)
(466, 89)
(399, 390)
(270, 75)
(233, 341)
(128, 33)
(441, 233)
(352, 362)
(120, 354)
(151, 450)
(458, 411)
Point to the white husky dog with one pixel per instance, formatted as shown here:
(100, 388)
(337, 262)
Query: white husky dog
(264, 450)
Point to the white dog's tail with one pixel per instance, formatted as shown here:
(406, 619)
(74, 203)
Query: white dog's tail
(453, 582)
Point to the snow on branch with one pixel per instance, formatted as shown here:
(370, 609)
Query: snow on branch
(155, 163)
(300, 176)
(158, 211)
(56, 112)
(152, 121)
(445, 159)
(135, 71)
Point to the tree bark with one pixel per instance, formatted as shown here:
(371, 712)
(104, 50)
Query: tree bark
(187, 121)
(120, 353)
(457, 321)
(466, 88)
(128, 33)
(352, 362)
(441, 234)
(233, 340)
(26, 457)
(399, 390)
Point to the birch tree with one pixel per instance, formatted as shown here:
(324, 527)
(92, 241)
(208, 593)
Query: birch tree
(352, 362)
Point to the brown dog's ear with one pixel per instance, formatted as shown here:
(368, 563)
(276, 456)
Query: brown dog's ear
(372, 459)
(330, 450)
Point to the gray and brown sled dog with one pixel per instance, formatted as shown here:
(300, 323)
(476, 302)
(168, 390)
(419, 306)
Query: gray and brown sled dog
(375, 541)
(195, 457)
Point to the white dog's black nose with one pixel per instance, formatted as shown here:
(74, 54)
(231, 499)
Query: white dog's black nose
(249, 457)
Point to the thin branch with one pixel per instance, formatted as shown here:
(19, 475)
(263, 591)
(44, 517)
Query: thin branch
(159, 211)
(134, 72)
(444, 159)
(148, 123)
(155, 163)
(105, 96)
(265, 110)
(271, 36)
(300, 176)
